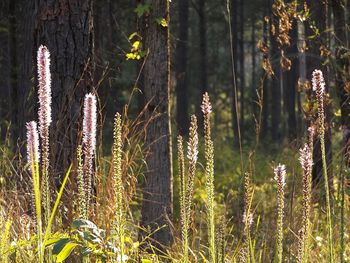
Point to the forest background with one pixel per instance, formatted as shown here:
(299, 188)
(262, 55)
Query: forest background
(254, 58)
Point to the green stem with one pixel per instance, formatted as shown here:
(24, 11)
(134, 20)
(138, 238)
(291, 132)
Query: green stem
(326, 183)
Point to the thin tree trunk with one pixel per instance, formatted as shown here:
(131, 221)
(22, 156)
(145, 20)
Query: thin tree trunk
(157, 189)
(181, 68)
(203, 81)
(253, 55)
(314, 60)
(241, 64)
(66, 28)
(13, 87)
(276, 84)
(234, 27)
(265, 103)
(4, 69)
(302, 67)
(291, 81)
(342, 72)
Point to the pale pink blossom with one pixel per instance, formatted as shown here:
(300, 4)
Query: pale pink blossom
(89, 122)
(44, 91)
(33, 153)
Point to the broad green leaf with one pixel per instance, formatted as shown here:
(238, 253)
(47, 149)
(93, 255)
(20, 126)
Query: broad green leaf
(65, 252)
(51, 241)
(60, 245)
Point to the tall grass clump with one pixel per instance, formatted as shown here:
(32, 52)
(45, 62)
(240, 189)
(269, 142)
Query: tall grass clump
(33, 164)
(44, 113)
(119, 214)
(89, 145)
(306, 162)
(187, 183)
(318, 86)
(280, 178)
(209, 174)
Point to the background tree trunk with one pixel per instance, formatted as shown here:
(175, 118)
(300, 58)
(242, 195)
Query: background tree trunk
(342, 72)
(291, 81)
(241, 66)
(265, 104)
(157, 189)
(182, 118)
(234, 30)
(13, 67)
(203, 61)
(66, 28)
(314, 60)
(276, 83)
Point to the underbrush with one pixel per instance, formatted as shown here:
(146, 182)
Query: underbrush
(256, 207)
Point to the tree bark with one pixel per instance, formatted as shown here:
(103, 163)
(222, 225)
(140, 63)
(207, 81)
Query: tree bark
(241, 65)
(314, 60)
(276, 83)
(265, 103)
(234, 30)
(181, 68)
(13, 86)
(66, 28)
(291, 81)
(203, 62)
(157, 189)
(342, 72)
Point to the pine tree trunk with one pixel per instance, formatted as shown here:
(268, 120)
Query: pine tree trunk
(234, 30)
(66, 28)
(203, 81)
(181, 68)
(13, 87)
(314, 60)
(265, 103)
(276, 84)
(157, 189)
(291, 81)
(342, 72)
(241, 65)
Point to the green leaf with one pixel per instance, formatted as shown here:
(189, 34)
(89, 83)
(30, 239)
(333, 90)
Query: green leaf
(79, 223)
(135, 34)
(136, 45)
(65, 252)
(162, 21)
(142, 9)
(146, 260)
(51, 241)
(85, 251)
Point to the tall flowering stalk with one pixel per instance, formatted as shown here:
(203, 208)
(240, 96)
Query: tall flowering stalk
(306, 163)
(81, 185)
(209, 173)
(318, 86)
(44, 94)
(187, 183)
(247, 219)
(119, 215)
(280, 178)
(33, 163)
(89, 144)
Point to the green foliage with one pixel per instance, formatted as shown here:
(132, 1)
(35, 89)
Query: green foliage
(162, 21)
(136, 51)
(142, 9)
